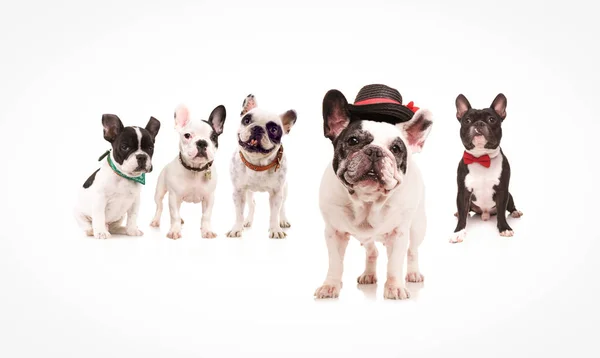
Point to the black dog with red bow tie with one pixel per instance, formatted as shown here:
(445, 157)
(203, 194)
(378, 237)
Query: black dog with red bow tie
(484, 172)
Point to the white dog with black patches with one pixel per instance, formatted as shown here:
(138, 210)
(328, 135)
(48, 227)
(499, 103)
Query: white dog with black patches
(373, 190)
(113, 191)
(189, 177)
(260, 165)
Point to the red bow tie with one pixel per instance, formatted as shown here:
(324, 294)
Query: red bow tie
(483, 160)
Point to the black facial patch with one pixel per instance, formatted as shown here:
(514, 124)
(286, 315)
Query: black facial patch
(345, 143)
(147, 142)
(398, 149)
(487, 121)
(125, 144)
(274, 131)
(90, 180)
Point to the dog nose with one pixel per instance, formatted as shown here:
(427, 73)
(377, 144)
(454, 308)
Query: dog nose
(201, 144)
(142, 159)
(479, 124)
(374, 152)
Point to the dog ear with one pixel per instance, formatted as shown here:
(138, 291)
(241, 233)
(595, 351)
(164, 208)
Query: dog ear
(499, 105)
(417, 129)
(153, 127)
(182, 116)
(112, 126)
(462, 106)
(217, 119)
(335, 114)
(289, 119)
(248, 104)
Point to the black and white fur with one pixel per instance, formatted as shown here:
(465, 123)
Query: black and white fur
(259, 139)
(480, 189)
(106, 197)
(198, 144)
(373, 191)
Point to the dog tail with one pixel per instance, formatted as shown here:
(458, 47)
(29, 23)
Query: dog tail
(249, 103)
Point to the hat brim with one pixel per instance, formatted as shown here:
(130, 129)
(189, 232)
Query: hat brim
(382, 112)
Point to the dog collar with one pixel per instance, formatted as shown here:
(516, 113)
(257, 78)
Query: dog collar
(205, 167)
(484, 160)
(258, 168)
(141, 179)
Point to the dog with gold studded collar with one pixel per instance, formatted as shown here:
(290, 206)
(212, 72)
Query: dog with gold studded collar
(189, 176)
(260, 165)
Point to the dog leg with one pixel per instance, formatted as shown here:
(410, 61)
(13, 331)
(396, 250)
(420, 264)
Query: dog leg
(463, 204)
(84, 223)
(99, 226)
(207, 207)
(417, 235)
(396, 244)
(511, 207)
(239, 199)
(501, 205)
(251, 207)
(159, 195)
(336, 247)
(369, 276)
(275, 201)
(283, 221)
(132, 228)
(174, 206)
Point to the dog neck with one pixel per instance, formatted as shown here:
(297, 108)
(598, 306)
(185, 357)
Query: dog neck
(478, 152)
(260, 159)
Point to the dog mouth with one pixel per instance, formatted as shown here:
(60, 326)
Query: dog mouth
(254, 145)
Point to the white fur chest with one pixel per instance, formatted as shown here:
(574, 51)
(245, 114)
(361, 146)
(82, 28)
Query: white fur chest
(196, 188)
(481, 181)
(268, 180)
(119, 198)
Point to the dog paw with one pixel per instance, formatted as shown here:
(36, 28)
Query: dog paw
(174, 234)
(277, 234)
(414, 277)
(328, 291)
(284, 224)
(395, 291)
(134, 232)
(207, 234)
(155, 223)
(458, 236)
(89, 232)
(516, 214)
(235, 232)
(101, 234)
(485, 216)
(367, 278)
(507, 233)
(248, 224)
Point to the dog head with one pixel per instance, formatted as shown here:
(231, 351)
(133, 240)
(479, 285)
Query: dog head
(199, 139)
(481, 129)
(371, 157)
(260, 132)
(132, 147)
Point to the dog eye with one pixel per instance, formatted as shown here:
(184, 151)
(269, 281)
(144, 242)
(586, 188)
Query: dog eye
(396, 149)
(353, 141)
(187, 136)
(124, 147)
(247, 120)
(273, 130)
(491, 119)
(467, 120)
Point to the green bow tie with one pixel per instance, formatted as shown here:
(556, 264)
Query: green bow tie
(141, 179)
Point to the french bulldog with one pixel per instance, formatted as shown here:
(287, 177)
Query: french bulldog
(483, 173)
(114, 190)
(260, 165)
(373, 191)
(189, 176)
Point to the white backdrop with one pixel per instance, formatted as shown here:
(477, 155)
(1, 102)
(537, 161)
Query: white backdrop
(65, 63)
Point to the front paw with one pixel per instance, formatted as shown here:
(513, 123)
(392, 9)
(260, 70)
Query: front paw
(235, 232)
(285, 224)
(328, 290)
(414, 277)
(248, 223)
(101, 234)
(277, 233)
(367, 278)
(208, 234)
(516, 214)
(134, 232)
(155, 223)
(507, 233)
(458, 236)
(395, 291)
(174, 234)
